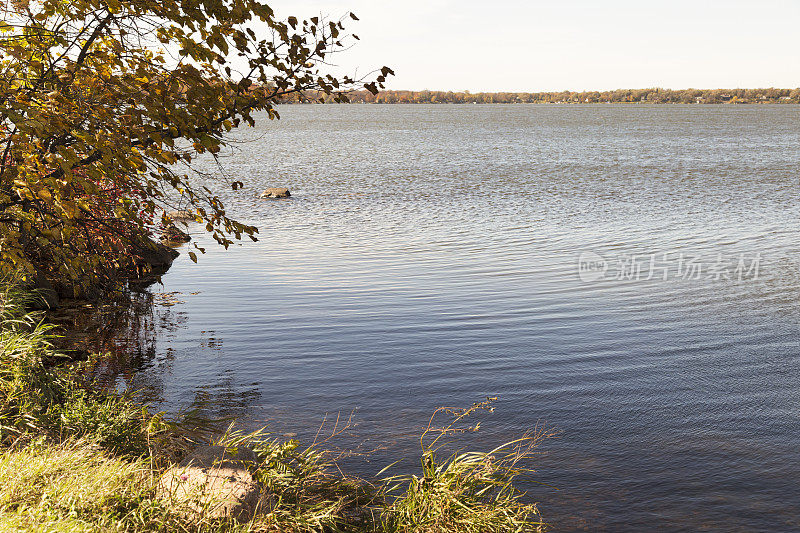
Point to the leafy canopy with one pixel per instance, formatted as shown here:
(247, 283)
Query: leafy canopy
(104, 104)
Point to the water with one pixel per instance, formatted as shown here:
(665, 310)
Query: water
(429, 256)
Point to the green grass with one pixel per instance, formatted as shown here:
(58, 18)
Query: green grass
(76, 486)
(72, 486)
(40, 396)
(464, 492)
(75, 458)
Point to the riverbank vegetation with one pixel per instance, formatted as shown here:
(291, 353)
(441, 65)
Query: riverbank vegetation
(76, 457)
(104, 106)
(647, 96)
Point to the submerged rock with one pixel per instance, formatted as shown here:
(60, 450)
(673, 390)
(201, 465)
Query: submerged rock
(276, 192)
(182, 215)
(214, 482)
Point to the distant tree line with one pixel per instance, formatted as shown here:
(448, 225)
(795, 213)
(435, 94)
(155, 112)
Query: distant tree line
(650, 96)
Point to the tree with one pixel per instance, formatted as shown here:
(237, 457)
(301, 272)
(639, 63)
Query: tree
(105, 104)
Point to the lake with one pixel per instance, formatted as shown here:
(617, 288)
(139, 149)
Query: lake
(626, 274)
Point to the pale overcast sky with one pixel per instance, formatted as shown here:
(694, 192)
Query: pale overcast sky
(519, 45)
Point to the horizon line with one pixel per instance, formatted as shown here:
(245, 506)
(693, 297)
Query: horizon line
(598, 90)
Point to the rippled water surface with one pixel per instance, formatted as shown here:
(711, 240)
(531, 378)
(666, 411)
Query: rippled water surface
(429, 256)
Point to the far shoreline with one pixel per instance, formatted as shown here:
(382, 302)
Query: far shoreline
(549, 103)
(620, 96)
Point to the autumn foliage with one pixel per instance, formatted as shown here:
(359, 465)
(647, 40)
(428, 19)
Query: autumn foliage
(105, 104)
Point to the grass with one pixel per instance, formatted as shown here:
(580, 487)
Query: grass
(71, 486)
(76, 458)
(39, 396)
(464, 492)
(76, 486)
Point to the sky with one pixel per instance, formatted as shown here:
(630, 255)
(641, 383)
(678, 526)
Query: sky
(529, 46)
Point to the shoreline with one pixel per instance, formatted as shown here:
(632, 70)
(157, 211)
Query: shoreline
(653, 95)
(81, 458)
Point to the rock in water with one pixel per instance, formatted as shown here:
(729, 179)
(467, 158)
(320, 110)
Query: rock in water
(172, 234)
(182, 215)
(214, 482)
(276, 192)
(155, 256)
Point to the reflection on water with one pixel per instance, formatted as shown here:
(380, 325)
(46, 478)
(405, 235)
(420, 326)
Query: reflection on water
(429, 257)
